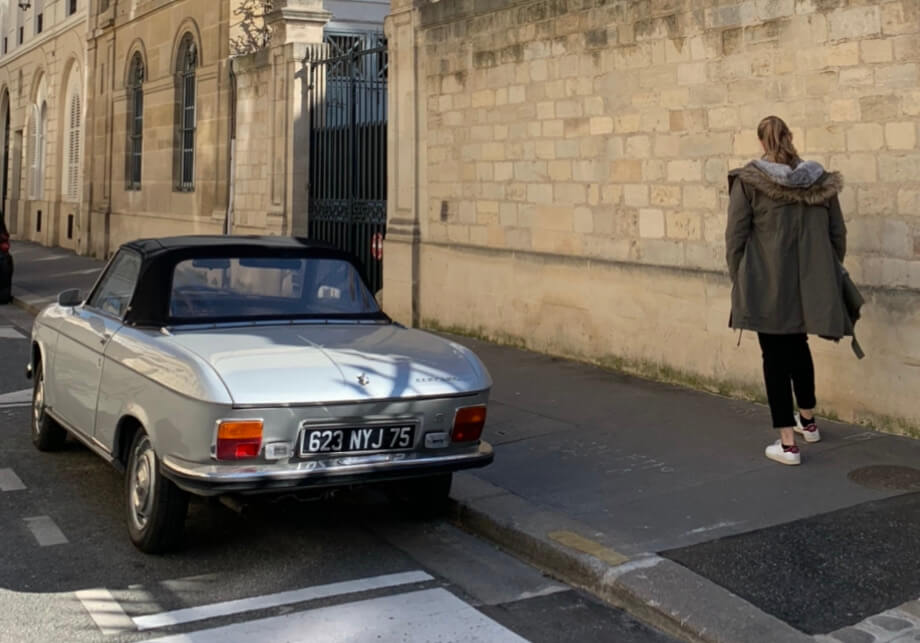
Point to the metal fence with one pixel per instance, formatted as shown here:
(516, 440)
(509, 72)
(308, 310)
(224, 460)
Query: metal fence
(348, 149)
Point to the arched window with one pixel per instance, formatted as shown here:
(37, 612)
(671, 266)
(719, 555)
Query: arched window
(187, 61)
(37, 151)
(72, 144)
(135, 123)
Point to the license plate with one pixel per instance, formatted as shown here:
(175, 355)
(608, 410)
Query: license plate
(350, 440)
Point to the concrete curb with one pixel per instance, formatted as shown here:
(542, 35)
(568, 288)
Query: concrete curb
(653, 589)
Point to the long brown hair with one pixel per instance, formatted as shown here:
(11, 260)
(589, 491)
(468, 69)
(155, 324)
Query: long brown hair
(777, 141)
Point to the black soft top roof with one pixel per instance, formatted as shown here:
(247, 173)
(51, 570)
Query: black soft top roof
(150, 303)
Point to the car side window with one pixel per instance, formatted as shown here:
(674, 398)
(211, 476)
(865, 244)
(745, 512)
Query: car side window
(113, 295)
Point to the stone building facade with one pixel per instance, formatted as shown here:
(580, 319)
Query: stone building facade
(189, 118)
(42, 109)
(560, 177)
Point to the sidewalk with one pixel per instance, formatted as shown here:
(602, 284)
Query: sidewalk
(659, 498)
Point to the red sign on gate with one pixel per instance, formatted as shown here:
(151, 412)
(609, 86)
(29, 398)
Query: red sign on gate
(377, 246)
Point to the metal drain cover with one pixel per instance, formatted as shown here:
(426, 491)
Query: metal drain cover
(885, 476)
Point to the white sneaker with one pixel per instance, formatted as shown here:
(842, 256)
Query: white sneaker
(783, 455)
(808, 429)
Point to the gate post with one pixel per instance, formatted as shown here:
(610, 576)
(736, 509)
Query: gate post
(297, 28)
(402, 247)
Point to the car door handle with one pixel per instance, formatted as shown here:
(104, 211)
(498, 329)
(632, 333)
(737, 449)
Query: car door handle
(105, 338)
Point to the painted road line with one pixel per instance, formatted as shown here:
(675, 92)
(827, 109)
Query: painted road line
(10, 333)
(45, 531)
(105, 611)
(9, 481)
(225, 608)
(427, 615)
(585, 545)
(16, 398)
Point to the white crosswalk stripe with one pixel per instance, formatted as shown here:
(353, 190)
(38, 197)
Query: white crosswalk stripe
(9, 481)
(274, 600)
(45, 531)
(16, 399)
(426, 615)
(8, 332)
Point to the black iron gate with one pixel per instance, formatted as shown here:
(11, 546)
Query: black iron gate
(348, 149)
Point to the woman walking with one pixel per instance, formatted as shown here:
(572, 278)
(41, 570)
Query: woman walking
(784, 242)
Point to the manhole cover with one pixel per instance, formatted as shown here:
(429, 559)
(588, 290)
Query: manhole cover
(885, 476)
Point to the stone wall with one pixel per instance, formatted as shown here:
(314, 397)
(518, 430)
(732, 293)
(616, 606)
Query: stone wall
(573, 154)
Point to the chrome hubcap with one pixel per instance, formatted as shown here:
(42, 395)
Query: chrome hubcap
(143, 477)
(38, 405)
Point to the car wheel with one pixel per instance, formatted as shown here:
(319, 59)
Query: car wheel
(47, 435)
(425, 496)
(156, 507)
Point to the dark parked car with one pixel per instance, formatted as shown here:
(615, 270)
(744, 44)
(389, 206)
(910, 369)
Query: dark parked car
(6, 265)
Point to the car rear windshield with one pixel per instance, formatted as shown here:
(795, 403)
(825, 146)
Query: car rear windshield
(217, 289)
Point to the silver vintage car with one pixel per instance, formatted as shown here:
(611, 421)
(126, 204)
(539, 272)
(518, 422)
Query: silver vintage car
(228, 366)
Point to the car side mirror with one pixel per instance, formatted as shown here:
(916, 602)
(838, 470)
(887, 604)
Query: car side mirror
(70, 298)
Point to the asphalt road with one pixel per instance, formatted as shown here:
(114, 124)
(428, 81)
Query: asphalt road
(352, 568)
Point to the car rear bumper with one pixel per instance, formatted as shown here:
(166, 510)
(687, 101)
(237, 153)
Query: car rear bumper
(248, 479)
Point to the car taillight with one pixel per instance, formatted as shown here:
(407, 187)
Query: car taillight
(239, 439)
(468, 423)
(4, 243)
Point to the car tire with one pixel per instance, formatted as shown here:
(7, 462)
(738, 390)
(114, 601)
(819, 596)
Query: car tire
(47, 435)
(156, 507)
(425, 497)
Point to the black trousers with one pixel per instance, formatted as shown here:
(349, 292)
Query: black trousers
(787, 365)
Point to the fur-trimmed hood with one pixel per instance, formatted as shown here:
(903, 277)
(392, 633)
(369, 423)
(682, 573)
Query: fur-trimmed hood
(807, 183)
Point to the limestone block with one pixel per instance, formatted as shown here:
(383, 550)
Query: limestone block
(901, 136)
(913, 278)
(683, 225)
(574, 193)
(569, 109)
(709, 144)
(600, 125)
(821, 84)
(859, 22)
(664, 196)
(907, 48)
(545, 149)
(723, 118)
(857, 168)
(653, 170)
(626, 171)
(843, 55)
(910, 103)
(651, 223)
(773, 9)
(500, 132)
(897, 76)
(554, 128)
(628, 123)
(594, 106)
(684, 170)
(576, 127)
(899, 17)
(699, 197)
(844, 109)
(909, 203)
(714, 224)
(864, 136)
(667, 145)
(538, 70)
(590, 170)
(555, 217)
(493, 151)
(662, 253)
(899, 169)
(638, 147)
(854, 77)
(560, 170)
(517, 94)
(568, 149)
(674, 98)
(530, 171)
(691, 73)
(655, 120)
(636, 195)
(546, 109)
(484, 172)
(458, 233)
(879, 108)
(584, 220)
(715, 171)
(540, 193)
(876, 200)
(876, 51)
